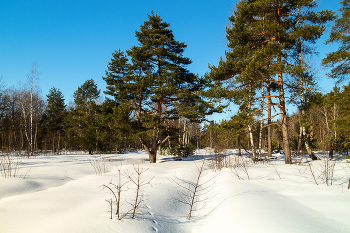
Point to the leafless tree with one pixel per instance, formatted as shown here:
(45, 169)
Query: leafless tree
(116, 191)
(140, 184)
(32, 107)
(194, 194)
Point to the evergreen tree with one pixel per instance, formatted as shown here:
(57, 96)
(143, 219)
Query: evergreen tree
(263, 40)
(233, 130)
(339, 60)
(55, 114)
(82, 121)
(112, 133)
(336, 107)
(342, 123)
(153, 83)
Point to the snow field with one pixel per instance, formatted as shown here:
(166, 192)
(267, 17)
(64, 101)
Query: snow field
(62, 193)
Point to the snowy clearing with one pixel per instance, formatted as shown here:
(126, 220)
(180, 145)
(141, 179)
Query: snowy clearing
(64, 193)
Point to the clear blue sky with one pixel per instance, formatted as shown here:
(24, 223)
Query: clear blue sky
(72, 41)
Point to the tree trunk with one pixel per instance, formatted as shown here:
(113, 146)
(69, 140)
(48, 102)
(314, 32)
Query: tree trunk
(286, 147)
(331, 152)
(261, 121)
(58, 142)
(269, 133)
(302, 127)
(152, 154)
(302, 91)
(307, 146)
(252, 141)
(31, 119)
(299, 141)
(239, 147)
(282, 104)
(250, 130)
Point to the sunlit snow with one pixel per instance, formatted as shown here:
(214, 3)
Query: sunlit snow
(63, 193)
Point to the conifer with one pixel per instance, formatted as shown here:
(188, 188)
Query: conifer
(339, 60)
(54, 116)
(151, 82)
(263, 41)
(82, 120)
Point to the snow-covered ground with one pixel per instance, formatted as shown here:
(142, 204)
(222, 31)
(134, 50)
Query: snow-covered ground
(62, 193)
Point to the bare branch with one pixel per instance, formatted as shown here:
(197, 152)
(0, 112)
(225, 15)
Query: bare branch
(194, 192)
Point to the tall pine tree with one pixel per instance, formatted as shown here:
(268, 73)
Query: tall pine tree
(339, 60)
(54, 115)
(152, 82)
(83, 120)
(262, 40)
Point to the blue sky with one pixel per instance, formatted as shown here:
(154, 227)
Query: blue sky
(72, 41)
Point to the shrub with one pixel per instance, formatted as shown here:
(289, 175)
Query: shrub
(182, 151)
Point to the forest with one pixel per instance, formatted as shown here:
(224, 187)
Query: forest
(153, 102)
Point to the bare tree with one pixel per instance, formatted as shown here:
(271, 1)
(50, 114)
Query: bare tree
(116, 190)
(194, 193)
(27, 98)
(116, 194)
(140, 184)
(2, 111)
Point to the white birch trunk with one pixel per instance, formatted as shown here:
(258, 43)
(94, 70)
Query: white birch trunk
(250, 130)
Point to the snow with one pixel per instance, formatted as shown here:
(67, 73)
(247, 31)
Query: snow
(62, 193)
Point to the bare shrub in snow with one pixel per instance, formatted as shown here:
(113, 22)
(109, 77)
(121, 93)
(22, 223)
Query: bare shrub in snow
(217, 162)
(322, 171)
(301, 169)
(194, 194)
(67, 177)
(116, 190)
(275, 168)
(220, 160)
(110, 203)
(99, 165)
(140, 184)
(240, 165)
(312, 172)
(316, 171)
(10, 166)
(347, 171)
(327, 169)
(298, 160)
(235, 168)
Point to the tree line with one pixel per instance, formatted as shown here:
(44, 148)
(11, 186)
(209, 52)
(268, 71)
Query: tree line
(154, 102)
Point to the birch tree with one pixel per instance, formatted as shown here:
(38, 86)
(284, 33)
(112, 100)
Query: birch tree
(27, 98)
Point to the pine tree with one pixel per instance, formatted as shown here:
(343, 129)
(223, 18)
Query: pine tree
(82, 121)
(55, 114)
(152, 82)
(263, 40)
(341, 123)
(336, 112)
(339, 60)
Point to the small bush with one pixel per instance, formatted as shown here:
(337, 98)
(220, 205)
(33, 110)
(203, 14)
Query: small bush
(347, 156)
(10, 166)
(182, 151)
